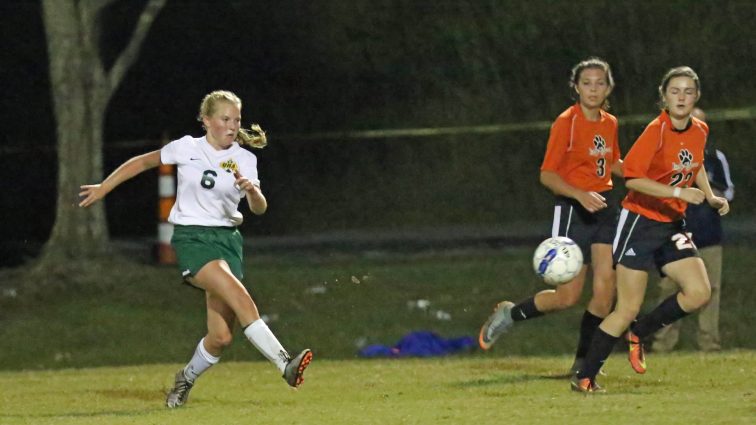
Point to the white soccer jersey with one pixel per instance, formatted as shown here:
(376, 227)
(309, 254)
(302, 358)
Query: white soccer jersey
(206, 194)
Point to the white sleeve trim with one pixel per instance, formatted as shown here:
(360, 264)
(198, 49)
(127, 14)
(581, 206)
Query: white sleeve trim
(729, 193)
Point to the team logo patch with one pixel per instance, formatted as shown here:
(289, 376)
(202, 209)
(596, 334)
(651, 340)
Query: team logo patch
(230, 166)
(599, 146)
(685, 157)
(686, 161)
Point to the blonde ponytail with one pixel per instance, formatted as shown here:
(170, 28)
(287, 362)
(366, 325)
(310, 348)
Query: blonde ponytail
(254, 137)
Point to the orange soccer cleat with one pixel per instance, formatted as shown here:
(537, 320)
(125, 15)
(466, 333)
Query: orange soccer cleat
(636, 354)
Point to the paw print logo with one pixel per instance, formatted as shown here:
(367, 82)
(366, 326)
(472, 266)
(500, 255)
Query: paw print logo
(599, 142)
(599, 146)
(686, 158)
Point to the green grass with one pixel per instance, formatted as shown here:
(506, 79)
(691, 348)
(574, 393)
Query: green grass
(59, 347)
(145, 308)
(688, 388)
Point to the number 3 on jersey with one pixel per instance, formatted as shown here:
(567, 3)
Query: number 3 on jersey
(208, 182)
(601, 167)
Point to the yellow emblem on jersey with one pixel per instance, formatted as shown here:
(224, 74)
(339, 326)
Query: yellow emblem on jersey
(230, 166)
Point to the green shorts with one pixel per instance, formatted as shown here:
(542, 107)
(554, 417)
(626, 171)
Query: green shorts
(198, 245)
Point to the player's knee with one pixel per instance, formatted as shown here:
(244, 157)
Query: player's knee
(600, 307)
(698, 297)
(602, 300)
(603, 276)
(219, 340)
(603, 293)
(567, 300)
(627, 314)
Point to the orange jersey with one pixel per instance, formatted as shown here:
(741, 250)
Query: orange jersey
(668, 156)
(582, 152)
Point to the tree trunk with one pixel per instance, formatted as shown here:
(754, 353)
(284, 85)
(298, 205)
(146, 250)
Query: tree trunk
(81, 89)
(77, 233)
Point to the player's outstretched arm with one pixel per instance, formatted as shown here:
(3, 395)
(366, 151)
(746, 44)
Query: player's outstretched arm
(94, 192)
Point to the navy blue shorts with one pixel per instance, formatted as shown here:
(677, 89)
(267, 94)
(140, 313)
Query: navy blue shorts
(583, 227)
(642, 244)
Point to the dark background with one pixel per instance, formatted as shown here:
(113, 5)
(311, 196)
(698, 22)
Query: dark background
(304, 69)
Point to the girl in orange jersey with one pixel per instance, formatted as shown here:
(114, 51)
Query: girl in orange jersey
(659, 170)
(581, 154)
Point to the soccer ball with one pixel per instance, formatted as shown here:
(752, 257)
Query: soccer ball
(557, 260)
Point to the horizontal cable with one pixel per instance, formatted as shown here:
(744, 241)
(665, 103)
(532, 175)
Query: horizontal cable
(737, 114)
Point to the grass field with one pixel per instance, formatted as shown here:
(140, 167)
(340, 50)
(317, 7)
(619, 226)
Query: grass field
(104, 349)
(678, 389)
(333, 303)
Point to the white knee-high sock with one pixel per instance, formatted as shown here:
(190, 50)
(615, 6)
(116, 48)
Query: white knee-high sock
(263, 339)
(200, 362)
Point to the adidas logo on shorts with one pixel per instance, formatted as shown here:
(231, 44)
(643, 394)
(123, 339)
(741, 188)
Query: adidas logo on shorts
(630, 252)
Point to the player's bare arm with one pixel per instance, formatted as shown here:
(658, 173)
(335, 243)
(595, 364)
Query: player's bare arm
(138, 164)
(591, 201)
(617, 169)
(255, 198)
(717, 202)
(691, 195)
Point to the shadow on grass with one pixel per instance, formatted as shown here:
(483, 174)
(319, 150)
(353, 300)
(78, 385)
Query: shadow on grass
(497, 385)
(140, 412)
(153, 396)
(142, 395)
(500, 380)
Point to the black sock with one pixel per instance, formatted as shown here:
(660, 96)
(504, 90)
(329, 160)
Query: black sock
(525, 310)
(587, 329)
(601, 347)
(666, 313)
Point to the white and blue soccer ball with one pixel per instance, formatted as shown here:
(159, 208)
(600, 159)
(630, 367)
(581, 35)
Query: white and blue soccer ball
(557, 260)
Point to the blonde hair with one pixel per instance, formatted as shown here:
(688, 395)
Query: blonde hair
(254, 137)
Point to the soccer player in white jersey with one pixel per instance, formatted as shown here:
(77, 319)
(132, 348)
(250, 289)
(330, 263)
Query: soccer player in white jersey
(214, 174)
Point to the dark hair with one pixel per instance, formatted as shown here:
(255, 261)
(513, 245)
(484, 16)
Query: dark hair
(680, 71)
(592, 63)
